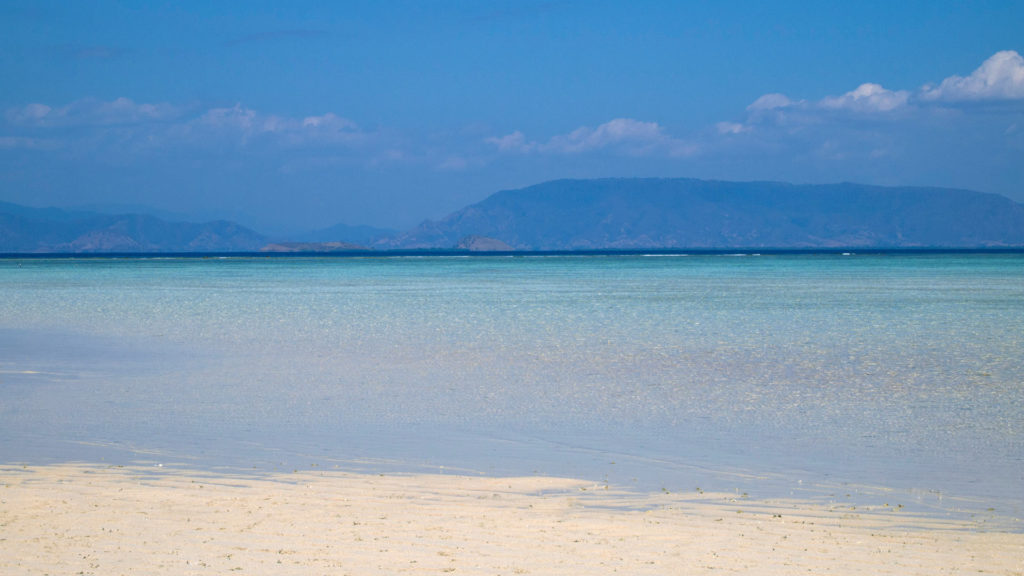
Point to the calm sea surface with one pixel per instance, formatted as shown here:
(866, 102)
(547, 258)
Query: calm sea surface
(890, 377)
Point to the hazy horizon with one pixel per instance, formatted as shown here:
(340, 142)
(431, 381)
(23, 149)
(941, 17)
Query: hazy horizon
(299, 117)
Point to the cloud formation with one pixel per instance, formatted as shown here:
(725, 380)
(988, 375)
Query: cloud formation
(1001, 77)
(635, 135)
(770, 102)
(242, 125)
(514, 142)
(152, 126)
(624, 136)
(731, 128)
(963, 131)
(853, 135)
(90, 112)
(867, 97)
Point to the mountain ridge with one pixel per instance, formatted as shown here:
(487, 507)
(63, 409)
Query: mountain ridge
(48, 230)
(686, 213)
(580, 215)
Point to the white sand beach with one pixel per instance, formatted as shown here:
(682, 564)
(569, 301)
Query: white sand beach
(86, 519)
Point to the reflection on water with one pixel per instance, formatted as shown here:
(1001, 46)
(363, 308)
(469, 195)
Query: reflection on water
(773, 373)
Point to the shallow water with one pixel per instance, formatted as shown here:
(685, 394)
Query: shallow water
(892, 375)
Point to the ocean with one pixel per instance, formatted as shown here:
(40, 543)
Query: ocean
(893, 378)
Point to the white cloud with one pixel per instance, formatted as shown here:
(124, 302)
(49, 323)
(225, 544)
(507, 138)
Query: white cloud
(121, 127)
(1001, 77)
(328, 122)
(90, 113)
(778, 109)
(927, 135)
(157, 120)
(770, 102)
(867, 97)
(624, 135)
(615, 132)
(28, 114)
(244, 123)
(731, 128)
(514, 142)
(234, 118)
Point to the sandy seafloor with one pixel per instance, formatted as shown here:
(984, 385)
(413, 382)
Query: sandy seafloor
(82, 519)
(507, 416)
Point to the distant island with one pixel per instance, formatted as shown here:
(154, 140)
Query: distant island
(46, 230)
(306, 247)
(685, 213)
(604, 214)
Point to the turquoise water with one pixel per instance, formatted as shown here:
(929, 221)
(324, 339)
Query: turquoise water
(885, 376)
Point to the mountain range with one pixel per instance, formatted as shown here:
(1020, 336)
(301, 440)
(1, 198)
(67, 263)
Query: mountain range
(686, 213)
(605, 214)
(34, 230)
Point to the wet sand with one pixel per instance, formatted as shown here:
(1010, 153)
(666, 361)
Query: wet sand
(84, 519)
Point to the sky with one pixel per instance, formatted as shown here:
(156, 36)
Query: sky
(296, 116)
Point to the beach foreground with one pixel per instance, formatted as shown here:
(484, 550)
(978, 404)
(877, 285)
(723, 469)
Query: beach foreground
(83, 519)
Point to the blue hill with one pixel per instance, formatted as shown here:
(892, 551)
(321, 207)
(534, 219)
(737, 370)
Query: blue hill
(689, 213)
(33, 230)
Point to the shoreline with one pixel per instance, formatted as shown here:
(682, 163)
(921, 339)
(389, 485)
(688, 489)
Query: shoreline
(456, 252)
(100, 519)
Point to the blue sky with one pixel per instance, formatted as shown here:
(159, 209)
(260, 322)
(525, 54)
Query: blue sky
(289, 116)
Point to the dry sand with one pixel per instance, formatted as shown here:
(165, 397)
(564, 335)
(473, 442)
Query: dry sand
(81, 519)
